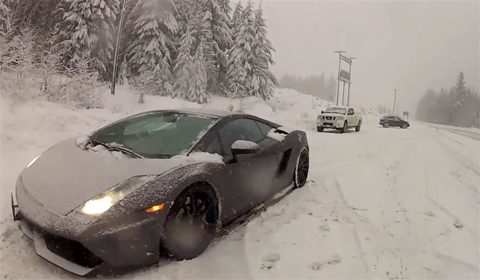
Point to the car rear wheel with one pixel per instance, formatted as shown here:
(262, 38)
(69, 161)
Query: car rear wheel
(192, 223)
(404, 126)
(359, 126)
(320, 128)
(301, 169)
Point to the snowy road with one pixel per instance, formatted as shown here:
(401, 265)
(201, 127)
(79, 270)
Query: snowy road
(380, 204)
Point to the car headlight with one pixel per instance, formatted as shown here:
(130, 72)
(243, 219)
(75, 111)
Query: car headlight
(104, 202)
(100, 205)
(32, 162)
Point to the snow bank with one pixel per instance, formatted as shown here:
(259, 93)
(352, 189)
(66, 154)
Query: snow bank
(44, 123)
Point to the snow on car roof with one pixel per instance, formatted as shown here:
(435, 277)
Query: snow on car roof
(194, 111)
(212, 112)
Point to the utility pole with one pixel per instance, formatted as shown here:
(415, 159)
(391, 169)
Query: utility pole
(350, 72)
(115, 56)
(394, 100)
(338, 77)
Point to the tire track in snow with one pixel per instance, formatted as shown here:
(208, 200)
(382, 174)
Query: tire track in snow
(372, 240)
(465, 162)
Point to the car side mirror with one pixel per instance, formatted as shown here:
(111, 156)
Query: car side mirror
(243, 147)
(323, 112)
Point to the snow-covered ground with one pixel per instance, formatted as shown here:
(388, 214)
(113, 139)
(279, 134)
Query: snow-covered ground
(380, 203)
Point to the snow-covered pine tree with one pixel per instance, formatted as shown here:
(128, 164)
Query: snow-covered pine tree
(184, 61)
(88, 32)
(218, 39)
(263, 81)
(4, 19)
(38, 13)
(191, 75)
(197, 91)
(458, 98)
(185, 11)
(152, 33)
(240, 55)
(225, 6)
(236, 17)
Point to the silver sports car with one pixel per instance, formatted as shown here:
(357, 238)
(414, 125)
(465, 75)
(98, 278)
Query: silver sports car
(156, 183)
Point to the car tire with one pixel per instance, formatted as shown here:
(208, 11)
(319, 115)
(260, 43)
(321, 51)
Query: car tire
(344, 129)
(359, 126)
(302, 167)
(320, 128)
(386, 125)
(190, 228)
(404, 126)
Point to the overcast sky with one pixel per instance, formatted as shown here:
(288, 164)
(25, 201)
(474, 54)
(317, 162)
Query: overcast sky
(408, 45)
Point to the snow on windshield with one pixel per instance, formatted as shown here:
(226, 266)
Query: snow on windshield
(163, 134)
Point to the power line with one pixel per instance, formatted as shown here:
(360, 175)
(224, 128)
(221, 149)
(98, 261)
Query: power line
(394, 100)
(350, 72)
(117, 43)
(338, 76)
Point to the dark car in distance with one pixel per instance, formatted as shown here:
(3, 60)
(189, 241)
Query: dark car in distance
(393, 121)
(159, 183)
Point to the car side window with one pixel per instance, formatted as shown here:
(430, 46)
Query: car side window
(265, 128)
(215, 147)
(240, 129)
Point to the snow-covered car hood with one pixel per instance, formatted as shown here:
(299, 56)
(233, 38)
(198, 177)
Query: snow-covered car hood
(65, 176)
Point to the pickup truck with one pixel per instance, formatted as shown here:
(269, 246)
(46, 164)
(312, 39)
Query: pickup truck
(340, 118)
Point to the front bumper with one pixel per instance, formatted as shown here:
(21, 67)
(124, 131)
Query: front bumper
(330, 123)
(90, 248)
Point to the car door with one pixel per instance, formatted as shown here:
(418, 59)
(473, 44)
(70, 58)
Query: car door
(251, 176)
(351, 117)
(396, 121)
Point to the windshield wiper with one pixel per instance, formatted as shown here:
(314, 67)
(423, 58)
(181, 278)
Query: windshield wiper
(117, 148)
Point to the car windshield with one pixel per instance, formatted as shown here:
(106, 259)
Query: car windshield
(156, 135)
(336, 110)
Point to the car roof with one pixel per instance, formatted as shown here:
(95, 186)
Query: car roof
(201, 111)
(198, 111)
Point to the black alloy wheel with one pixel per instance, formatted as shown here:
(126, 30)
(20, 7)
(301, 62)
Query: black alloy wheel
(192, 223)
(301, 170)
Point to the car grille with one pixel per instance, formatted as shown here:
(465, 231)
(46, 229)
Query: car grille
(329, 118)
(70, 250)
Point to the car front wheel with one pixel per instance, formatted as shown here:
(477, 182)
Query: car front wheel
(344, 129)
(192, 223)
(320, 128)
